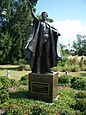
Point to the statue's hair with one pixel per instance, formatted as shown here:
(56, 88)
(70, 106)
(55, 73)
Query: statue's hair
(44, 13)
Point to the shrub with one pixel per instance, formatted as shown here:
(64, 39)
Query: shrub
(15, 111)
(85, 61)
(75, 68)
(27, 68)
(78, 83)
(75, 60)
(1, 86)
(81, 95)
(55, 69)
(67, 112)
(21, 61)
(24, 80)
(24, 67)
(5, 81)
(36, 110)
(71, 68)
(14, 83)
(81, 104)
(21, 67)
(4, 96)
(64, 61)
(65, 80)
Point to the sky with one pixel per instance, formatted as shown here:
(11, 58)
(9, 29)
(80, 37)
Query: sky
(69, 17)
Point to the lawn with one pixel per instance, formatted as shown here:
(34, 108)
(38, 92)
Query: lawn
(14, 73)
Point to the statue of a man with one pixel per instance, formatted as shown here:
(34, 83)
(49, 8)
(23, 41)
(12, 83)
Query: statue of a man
(42, 49)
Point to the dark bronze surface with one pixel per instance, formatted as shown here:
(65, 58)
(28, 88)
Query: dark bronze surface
(42, 49)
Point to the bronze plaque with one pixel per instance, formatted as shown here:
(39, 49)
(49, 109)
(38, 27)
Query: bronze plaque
(41, 88)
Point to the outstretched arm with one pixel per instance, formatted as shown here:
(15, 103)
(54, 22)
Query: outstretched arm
(33, 15)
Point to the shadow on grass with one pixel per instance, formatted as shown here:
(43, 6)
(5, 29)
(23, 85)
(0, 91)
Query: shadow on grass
(83, 74)
(9, 68)
(19, 94)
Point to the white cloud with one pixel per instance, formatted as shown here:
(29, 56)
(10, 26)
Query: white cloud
(69, 29)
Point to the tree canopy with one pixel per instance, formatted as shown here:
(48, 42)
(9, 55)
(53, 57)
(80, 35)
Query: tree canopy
(15, 26)
(79, 46)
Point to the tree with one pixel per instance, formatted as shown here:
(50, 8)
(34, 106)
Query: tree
(15, 26)
(79, 46)
(64, 50)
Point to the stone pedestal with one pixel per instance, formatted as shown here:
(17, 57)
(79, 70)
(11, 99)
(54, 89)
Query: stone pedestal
(43, 86)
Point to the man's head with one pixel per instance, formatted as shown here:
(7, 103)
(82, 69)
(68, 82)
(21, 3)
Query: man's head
(44, 15)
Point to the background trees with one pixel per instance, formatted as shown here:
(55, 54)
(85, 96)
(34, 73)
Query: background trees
(15, 26)
(79, 46)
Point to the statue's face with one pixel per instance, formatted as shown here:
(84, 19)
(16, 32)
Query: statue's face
(44, 16)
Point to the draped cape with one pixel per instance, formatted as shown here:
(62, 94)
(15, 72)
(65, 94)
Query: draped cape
(32, 43)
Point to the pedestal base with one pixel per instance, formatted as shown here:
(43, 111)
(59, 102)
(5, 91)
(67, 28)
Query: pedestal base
(43, 86)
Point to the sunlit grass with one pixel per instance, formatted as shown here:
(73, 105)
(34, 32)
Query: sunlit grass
(14, 73)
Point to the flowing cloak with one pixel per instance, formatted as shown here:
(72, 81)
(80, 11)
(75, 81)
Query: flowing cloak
(31, 45)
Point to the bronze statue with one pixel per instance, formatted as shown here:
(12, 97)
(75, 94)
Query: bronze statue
(42, 49)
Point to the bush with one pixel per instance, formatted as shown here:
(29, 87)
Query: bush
(64, 61)
(14, 83)
(24, 80)
(75, 68)
(78, 83)
(24, 67)
(64, 80)
(1, 85)
(22, 61)
(15, 111)
(67, 112)
(81, 104)
(71, 68)
(81, 95)
(36, 110)
(4, 96)
(5, 82)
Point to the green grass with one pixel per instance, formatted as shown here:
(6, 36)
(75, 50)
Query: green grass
(14, 73)
(80, 73)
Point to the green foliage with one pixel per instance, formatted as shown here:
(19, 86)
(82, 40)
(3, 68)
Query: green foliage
(65, 102)
(14, 83)
(81, 95)
(1, 85)
(36, 110)
(24, 67)
(15, 27)
(64, 80)
(64, 61)
(78, 83)
(15, 111)
(4, 96)
(81, 104)
(5, 46)
(65, 105)
(79, 46)
(5, 82)
(65, 51)
(71, 68)
(75, 82)
(75, 68)
(24, 80)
